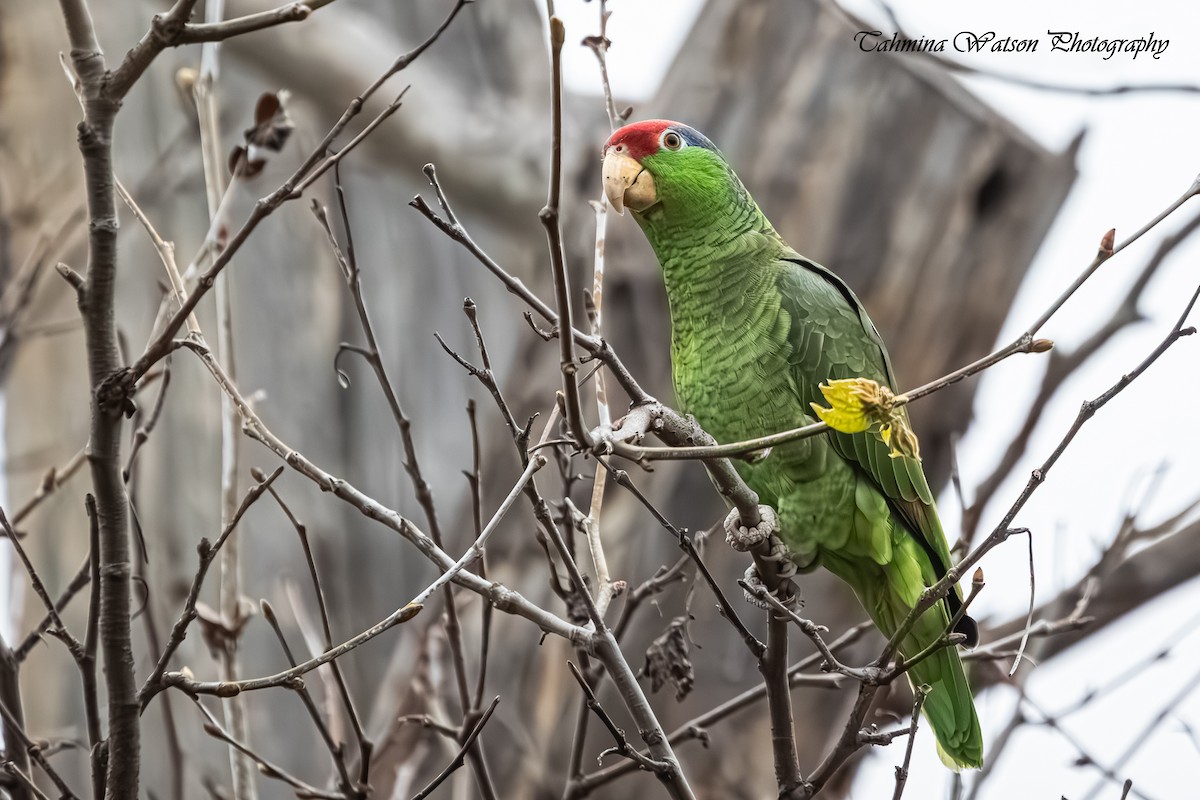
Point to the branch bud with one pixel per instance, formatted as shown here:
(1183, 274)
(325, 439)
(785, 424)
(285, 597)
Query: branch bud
(558, 33)
(185, 79)
(1041, 345)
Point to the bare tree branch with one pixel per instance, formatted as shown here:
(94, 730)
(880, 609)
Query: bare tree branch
(462, 752)
(155, 682)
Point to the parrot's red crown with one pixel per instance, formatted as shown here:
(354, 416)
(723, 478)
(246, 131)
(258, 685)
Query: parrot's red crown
(641, 138)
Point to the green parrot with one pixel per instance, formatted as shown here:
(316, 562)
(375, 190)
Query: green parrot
(755, 329)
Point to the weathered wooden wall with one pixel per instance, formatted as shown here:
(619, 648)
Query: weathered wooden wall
(884, 169)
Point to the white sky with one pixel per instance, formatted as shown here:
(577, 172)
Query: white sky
(1140, 153)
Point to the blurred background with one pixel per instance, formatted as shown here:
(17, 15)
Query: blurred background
(956, 198)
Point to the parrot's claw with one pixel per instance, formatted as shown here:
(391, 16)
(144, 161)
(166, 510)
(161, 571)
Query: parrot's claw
(755, 582)
(786, 591)
(744, 539)
(632, 427)
(782, 556)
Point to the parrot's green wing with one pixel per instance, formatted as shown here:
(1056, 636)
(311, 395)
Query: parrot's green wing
(833, 338)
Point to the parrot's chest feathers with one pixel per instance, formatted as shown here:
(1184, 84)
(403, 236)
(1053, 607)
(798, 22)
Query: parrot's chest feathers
(729, 359)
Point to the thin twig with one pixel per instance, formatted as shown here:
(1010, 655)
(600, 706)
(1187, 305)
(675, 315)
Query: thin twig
(623, 747)
(52, 482)
(578, 738)
(1002, 531)
(268, 769)
(1029, 617)
(82, 578)
(314, 166)
(606, 588)
(483, 374)
(663, 577)
(91, 637)
(166, 254)
(147, 423)
(501, 596)
(365, 745)
(403, 614)
(919, 695)
(622, 478)
(458, 759)
(290, 678)
(351, 271)
(697, 729)
(230, 605)
(13, 727)
(1064, 364)
(24, 782)
(238, 26)
(10, 697)
(599, 44)
(475, 478)
(550, 221)
(335, 749)
(155, 683)
(1042, 628)
(1140, 738)
(58, 629)
(813, 632)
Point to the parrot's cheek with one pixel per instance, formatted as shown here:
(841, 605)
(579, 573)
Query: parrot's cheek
(627, 184)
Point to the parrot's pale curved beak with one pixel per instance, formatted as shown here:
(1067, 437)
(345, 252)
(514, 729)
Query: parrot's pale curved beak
(627, 184)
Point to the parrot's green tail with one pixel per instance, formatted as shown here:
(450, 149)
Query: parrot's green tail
(887, 596)
(950, 709)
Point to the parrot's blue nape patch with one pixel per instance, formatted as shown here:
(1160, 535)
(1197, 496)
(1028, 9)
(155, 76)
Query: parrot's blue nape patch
(695, 138)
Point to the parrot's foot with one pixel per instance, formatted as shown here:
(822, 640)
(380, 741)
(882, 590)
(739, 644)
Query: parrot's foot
(755, 582)
(785, 591)
(763, 536)
(632, 427)
(744, 539)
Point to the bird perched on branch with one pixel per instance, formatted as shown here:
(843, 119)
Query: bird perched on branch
(761, 337)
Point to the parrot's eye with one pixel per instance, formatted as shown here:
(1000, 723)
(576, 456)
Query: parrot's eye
(672, 140)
